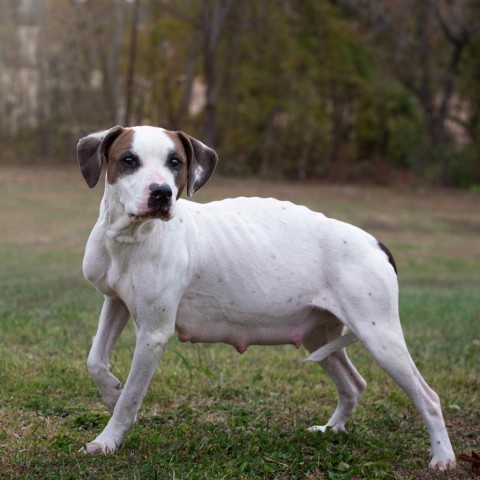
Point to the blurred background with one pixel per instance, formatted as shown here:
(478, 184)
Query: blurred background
(360, 109)
(383, 91)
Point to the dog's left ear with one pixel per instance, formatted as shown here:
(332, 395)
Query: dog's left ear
(92, 149)
(201, 162)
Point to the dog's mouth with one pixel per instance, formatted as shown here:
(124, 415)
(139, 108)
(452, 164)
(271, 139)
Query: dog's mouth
(164, 213)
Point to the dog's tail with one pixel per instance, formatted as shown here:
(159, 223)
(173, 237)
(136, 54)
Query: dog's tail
(331, 347)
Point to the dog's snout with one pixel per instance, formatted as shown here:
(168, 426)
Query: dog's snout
(160, 200)
(160, 193)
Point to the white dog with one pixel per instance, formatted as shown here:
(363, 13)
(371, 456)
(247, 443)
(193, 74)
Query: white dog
(245, 271)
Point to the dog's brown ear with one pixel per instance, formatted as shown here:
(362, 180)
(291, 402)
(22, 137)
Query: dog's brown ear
(201, 162)
(92, 149)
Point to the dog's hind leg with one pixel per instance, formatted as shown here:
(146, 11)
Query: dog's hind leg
(113, 318)
(348, 382)
(388, 347)
(370, 309)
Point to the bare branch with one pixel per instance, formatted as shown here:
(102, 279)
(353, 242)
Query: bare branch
(456, 38)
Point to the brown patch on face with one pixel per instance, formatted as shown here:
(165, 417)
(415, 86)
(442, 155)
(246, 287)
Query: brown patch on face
(123, 143)
(182, 175)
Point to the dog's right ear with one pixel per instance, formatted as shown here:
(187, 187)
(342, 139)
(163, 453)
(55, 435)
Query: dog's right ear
(92, 149)
(201, 162)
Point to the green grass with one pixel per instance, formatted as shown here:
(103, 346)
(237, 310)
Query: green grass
(210, 413)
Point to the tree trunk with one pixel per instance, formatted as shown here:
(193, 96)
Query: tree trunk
(114, 64)
(189, 77)
(214, 13)
(132, 54)
(211, 99)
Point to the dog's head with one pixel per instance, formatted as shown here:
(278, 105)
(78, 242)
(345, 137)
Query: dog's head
(147, 167)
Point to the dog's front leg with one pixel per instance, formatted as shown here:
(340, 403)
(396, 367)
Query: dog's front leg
(151, 342)
(112, 321)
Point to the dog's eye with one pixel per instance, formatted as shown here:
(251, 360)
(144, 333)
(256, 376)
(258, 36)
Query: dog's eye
(174, 162)
(130, 162)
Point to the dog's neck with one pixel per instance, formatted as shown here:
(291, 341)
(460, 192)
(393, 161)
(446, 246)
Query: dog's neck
(119, 226)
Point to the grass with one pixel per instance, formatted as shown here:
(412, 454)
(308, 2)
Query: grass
(210, 413)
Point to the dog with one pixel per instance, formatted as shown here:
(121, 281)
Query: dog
(244, 271)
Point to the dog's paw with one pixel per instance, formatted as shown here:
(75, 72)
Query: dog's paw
(99, 447)
(443, 464)
(323, 428)
(318, 428)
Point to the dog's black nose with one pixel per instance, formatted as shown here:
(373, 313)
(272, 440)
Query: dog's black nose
(160, 193)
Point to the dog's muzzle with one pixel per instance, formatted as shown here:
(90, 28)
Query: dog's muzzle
(159, 195)
(159, 200)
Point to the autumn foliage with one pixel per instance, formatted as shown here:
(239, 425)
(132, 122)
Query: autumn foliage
(341, 90)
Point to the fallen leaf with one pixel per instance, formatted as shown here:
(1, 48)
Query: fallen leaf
(474, 459)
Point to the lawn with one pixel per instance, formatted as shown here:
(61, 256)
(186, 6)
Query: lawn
(211, 413)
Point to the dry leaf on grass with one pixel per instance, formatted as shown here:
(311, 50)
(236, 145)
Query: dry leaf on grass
(474, 459)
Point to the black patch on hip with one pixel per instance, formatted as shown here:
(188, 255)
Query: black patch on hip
(389, 255)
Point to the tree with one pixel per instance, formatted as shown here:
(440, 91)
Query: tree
(423, 43)
(209, 26)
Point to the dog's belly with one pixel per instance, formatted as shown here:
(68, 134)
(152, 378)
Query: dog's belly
(205, 320)
(258, 270)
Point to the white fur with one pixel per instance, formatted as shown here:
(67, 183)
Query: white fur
(151, 145)
(241, 271)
